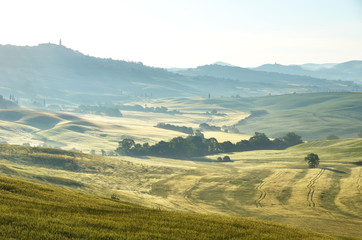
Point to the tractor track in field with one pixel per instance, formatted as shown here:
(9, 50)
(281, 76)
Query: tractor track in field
(261, 196)
(188, 192)
(359, 182)
(263, 192)
(311, 188)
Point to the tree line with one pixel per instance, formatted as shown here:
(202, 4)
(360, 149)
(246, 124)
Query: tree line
(183, 129)
(197, 145)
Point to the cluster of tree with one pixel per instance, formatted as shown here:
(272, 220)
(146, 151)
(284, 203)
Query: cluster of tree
(140, 108)
(224, 159)
(183, 129)
(207, 127)
(100, 110)
(194, 146)
(13, 99)
(7, 104)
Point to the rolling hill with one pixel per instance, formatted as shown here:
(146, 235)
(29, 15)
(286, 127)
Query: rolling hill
(33, 211)
(351, 70)
(313, 116)
(63, 76)
(269, 185)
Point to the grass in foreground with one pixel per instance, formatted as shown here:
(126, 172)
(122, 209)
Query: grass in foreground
(33, 211)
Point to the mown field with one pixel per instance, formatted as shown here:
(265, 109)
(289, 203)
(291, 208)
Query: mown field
(87, 132)
(273, 185)
(32, 211)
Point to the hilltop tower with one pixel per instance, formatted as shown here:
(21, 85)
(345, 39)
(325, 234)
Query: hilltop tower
(60, 42)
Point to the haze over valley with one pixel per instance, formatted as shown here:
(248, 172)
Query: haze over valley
(180, 120)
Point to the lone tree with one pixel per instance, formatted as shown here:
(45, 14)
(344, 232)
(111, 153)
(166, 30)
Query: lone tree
(312, 160)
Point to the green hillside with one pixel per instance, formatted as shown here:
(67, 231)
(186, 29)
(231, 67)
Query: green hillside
(313, 116)
(190, 185)
(32, 211)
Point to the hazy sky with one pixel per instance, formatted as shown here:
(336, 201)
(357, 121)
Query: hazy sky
(188, 33)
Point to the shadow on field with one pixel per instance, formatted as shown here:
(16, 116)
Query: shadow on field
(194, 159)
(357, 163)
(334, 170)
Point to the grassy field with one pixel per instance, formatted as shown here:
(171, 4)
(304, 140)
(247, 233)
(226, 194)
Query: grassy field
(273, 185)
(86, 132)
(32, 211)
(313, 116)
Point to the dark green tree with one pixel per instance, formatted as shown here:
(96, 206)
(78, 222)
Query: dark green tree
(212, 145)
(227, 147)
(291, 139)
(125, 146)
(260, 141)
(243, 145)
(226, 159)
(312, 160)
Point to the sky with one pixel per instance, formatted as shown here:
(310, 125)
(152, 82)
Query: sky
(190, 33)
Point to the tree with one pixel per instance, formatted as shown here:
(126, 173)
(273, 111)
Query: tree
(291, 139)
(312, 160)
(219, 159)
(124, 146)
(226, 159)
(212, 145)
(227, 146)
(260, 141)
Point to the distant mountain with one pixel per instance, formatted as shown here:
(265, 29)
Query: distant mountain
(349, 71)
(58, 75)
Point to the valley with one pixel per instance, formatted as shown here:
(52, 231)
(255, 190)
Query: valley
(67, 113)
(273, 185)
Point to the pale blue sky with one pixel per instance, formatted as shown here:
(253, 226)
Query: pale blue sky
(169, 33)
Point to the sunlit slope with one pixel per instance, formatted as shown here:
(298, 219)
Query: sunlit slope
(313, 116)
(31, 211)
(87, 132)
(278, 185)
(272, 185)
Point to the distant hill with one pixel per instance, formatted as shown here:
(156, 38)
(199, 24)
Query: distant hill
(350, 71)
(313, 116)
(268, 82)
(61, 75)
(6, 104)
